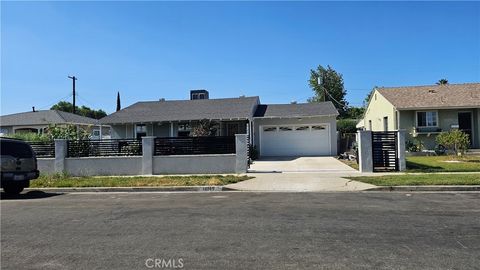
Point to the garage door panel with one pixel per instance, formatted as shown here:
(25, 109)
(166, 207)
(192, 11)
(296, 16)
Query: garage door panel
(290, 141)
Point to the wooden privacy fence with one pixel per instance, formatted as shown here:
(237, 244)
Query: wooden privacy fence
(194, 145)
(43, 149)
(100, 148)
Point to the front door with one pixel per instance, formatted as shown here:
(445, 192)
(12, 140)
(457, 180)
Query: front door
(465, 124)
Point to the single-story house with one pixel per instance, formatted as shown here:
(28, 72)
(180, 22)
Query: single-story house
(425, 111)
(275, 130)
(37, 121)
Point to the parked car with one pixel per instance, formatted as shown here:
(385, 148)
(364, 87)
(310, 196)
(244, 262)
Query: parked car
(18, 165)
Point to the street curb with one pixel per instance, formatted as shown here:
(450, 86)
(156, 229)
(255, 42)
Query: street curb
(426, 188)
(133, 189)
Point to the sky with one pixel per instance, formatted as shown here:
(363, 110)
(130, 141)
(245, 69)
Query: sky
(153, 50)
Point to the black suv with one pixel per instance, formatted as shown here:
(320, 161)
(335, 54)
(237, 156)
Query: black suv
(19, 165)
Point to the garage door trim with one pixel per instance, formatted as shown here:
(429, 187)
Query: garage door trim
(295, 125)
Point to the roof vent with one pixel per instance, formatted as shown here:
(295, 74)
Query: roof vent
(242, 96)
(162, 99)
(293, 102)
(432, 91)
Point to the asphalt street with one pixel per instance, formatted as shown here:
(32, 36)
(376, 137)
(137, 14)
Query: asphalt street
(241, 230)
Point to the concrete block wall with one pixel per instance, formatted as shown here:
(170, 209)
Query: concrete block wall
(147, 164)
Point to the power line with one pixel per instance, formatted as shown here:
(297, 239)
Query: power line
(62, 99)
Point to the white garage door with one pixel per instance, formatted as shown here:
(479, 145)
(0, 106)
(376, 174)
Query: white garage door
(299, 140)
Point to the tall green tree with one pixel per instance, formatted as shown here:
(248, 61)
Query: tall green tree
(442, 82)
(119, 107)
(327, 84)
(66, 106)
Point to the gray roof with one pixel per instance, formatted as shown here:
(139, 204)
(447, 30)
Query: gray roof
(296, 110)
(44, 118)
(433, 96)
(184, 110)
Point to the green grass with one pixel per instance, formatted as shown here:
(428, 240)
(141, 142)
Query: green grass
(441, 164)
(420, 179)
(61, 180)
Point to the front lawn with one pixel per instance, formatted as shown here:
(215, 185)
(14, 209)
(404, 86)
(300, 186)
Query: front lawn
(420, 179)
(443, 164)
(59, 180)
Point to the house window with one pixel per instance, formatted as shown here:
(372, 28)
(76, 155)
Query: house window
(140, 130)
(427, 119)
(285, 128)
(318, 127)
(385, 123)
(369, 124)
(302, 128)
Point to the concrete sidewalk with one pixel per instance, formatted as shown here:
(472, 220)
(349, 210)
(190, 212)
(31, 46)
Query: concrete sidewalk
(301, 182)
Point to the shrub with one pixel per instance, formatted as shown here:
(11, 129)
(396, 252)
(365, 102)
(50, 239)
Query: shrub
(455, 141)
(30, 137)
(347, 126)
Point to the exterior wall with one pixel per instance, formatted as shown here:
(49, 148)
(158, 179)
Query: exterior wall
(103, 166)
(194, 164)
(46, 165)
(446, 118)
(331, 120)
(377, 109)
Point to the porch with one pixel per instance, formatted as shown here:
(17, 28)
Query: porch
(177, 129)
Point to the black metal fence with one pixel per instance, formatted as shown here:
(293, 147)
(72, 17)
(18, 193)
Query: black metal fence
(43, 149)
(101, 148)
(384, 150)
(194, 145)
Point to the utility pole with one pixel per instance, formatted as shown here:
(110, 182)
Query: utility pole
(73, 80)
(319, 81)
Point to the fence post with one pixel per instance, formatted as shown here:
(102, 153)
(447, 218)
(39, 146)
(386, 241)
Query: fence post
(60, 155)
(241, 153)
(402, 163)
(365, 151)
(148, 148)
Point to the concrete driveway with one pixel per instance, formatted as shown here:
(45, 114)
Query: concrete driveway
(299, 164)
(300, 174)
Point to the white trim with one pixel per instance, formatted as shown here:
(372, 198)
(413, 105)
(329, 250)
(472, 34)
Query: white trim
(425, 111)
(260, 131)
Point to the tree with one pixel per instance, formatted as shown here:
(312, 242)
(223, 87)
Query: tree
(354, 113)
(327, 84)
(83, 111)
(204, 128)
(118, 102)
(442, 82)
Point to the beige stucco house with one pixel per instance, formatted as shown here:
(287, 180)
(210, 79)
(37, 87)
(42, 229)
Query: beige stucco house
(425, 111)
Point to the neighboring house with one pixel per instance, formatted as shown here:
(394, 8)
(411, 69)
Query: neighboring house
(425, 111)
(276, 130)
(38, 121)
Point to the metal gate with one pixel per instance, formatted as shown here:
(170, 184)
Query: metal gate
(385, 151)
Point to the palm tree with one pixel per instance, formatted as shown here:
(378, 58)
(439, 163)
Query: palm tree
(442, 82)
